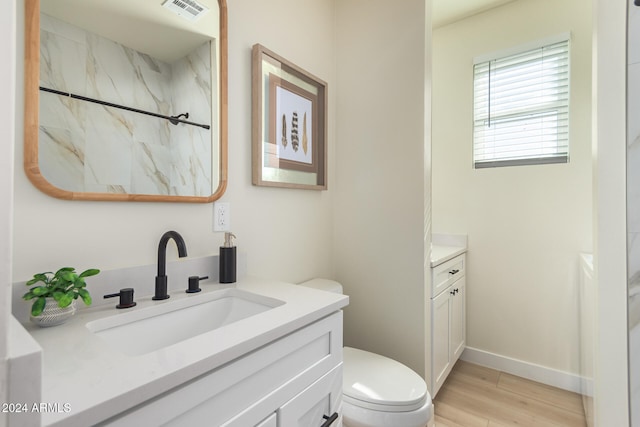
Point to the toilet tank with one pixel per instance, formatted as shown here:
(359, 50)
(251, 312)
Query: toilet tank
(323, 285)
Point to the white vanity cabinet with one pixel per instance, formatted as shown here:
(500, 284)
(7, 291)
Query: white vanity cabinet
(448, 307)
(293, 381)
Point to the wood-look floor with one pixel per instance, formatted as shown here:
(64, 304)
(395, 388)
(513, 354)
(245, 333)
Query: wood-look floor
(475, 396)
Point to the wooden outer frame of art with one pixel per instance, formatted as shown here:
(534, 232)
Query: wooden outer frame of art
(267, 148)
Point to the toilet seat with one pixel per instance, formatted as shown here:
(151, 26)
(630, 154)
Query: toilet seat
(376, 382)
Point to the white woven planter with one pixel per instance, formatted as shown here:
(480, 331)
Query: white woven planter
(53, 315)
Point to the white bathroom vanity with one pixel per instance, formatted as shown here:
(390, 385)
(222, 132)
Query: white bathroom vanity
(278, 365)
(448, 306)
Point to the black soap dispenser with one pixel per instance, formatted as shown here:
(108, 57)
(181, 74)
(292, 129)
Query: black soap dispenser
(228, 259)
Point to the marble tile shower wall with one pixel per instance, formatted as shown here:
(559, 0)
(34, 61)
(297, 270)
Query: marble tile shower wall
(86, 147)
(633, 205)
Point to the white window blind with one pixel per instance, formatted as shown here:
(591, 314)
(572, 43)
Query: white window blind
(521, 108)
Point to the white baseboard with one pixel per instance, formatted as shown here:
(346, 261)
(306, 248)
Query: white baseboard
(541, 374)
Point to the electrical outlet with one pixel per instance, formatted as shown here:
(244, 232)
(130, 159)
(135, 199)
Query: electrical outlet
(221, 216)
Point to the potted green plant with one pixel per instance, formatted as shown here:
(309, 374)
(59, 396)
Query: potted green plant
(62, 287)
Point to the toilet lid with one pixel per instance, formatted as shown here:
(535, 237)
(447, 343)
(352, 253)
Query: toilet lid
(378, 380)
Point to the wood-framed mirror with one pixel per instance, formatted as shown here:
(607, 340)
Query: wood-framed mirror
(126, 101)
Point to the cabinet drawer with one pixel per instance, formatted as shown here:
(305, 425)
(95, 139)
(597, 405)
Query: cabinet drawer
(446, 273)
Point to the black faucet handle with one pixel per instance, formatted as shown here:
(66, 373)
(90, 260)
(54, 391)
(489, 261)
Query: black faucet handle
(194, 284)
(126, 298)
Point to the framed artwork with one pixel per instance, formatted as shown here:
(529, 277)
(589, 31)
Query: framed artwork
(289, 127)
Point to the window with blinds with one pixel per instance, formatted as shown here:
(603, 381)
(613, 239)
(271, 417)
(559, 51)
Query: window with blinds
(521, 107)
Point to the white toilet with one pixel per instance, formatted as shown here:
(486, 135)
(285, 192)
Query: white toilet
(378, 391)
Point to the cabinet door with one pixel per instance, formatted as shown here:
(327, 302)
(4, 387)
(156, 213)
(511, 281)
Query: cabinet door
(458, 319)
(317, 405)
(440, 338)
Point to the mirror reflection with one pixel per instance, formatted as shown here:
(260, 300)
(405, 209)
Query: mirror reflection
(129, 100)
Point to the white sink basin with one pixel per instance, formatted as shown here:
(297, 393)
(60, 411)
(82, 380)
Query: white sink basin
(144, 330)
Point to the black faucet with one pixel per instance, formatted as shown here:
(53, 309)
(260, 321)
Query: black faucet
(161, 278)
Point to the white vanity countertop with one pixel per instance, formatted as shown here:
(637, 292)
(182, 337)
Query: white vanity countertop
(445, 246)
(95, 381)
(440, 254)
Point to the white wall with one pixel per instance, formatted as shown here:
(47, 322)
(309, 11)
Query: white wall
(382, 183)
(7, 129)
(527, 224)
(609, 131)
(633, 206)
(285, 233)
(289, 234)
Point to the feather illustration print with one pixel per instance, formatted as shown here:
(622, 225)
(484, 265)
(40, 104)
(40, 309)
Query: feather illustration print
(284, 130)
(305, 140)
(295, 141)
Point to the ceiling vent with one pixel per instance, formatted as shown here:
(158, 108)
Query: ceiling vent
(188, 9)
